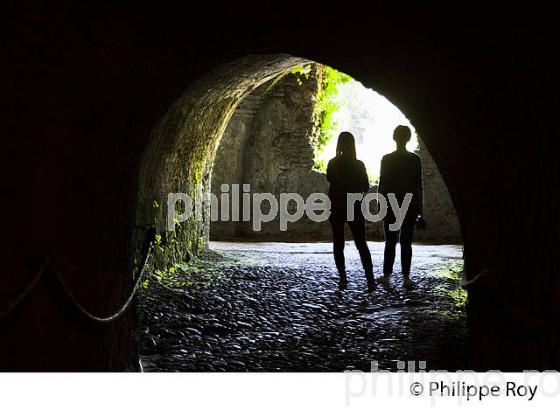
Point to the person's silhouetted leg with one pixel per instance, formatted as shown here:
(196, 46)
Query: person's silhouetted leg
(406, 246)
(405, 239)
(391, 238)
(358, 228)
(338, 251)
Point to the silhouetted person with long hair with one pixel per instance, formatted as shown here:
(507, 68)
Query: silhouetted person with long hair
(401, 173)
(346, 174)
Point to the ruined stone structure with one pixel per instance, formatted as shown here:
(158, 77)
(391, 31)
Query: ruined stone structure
(269, 144)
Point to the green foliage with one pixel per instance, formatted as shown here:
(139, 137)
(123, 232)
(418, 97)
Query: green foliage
(321, 165)
(301, 71)
(327, 105)
(457, 295)
(452, 271)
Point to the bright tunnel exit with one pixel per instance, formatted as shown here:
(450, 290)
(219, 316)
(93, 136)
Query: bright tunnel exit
(370, 117)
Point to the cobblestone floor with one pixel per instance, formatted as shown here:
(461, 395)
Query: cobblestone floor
(276, 307)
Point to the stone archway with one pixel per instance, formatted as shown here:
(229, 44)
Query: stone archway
(181, 152)
(186, 138)
(180, 156)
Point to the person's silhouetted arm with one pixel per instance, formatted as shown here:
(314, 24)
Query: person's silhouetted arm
(419, 186)
(329, 172)
(381, 187)
(364, 180)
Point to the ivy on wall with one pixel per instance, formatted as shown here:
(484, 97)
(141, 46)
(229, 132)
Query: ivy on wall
(327, 105)
(327, 102)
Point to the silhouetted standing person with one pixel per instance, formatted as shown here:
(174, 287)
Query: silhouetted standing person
(401, 173)
(346, 174)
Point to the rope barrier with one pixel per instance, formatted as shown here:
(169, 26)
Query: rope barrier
(479, 279)
(25, 293)
(147, 245)
(465, 284)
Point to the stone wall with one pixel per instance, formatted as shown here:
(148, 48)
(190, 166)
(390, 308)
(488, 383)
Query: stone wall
(442, 224)
(269, 144)
(180, 154)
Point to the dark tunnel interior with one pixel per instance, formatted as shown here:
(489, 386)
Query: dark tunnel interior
(107, 111)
